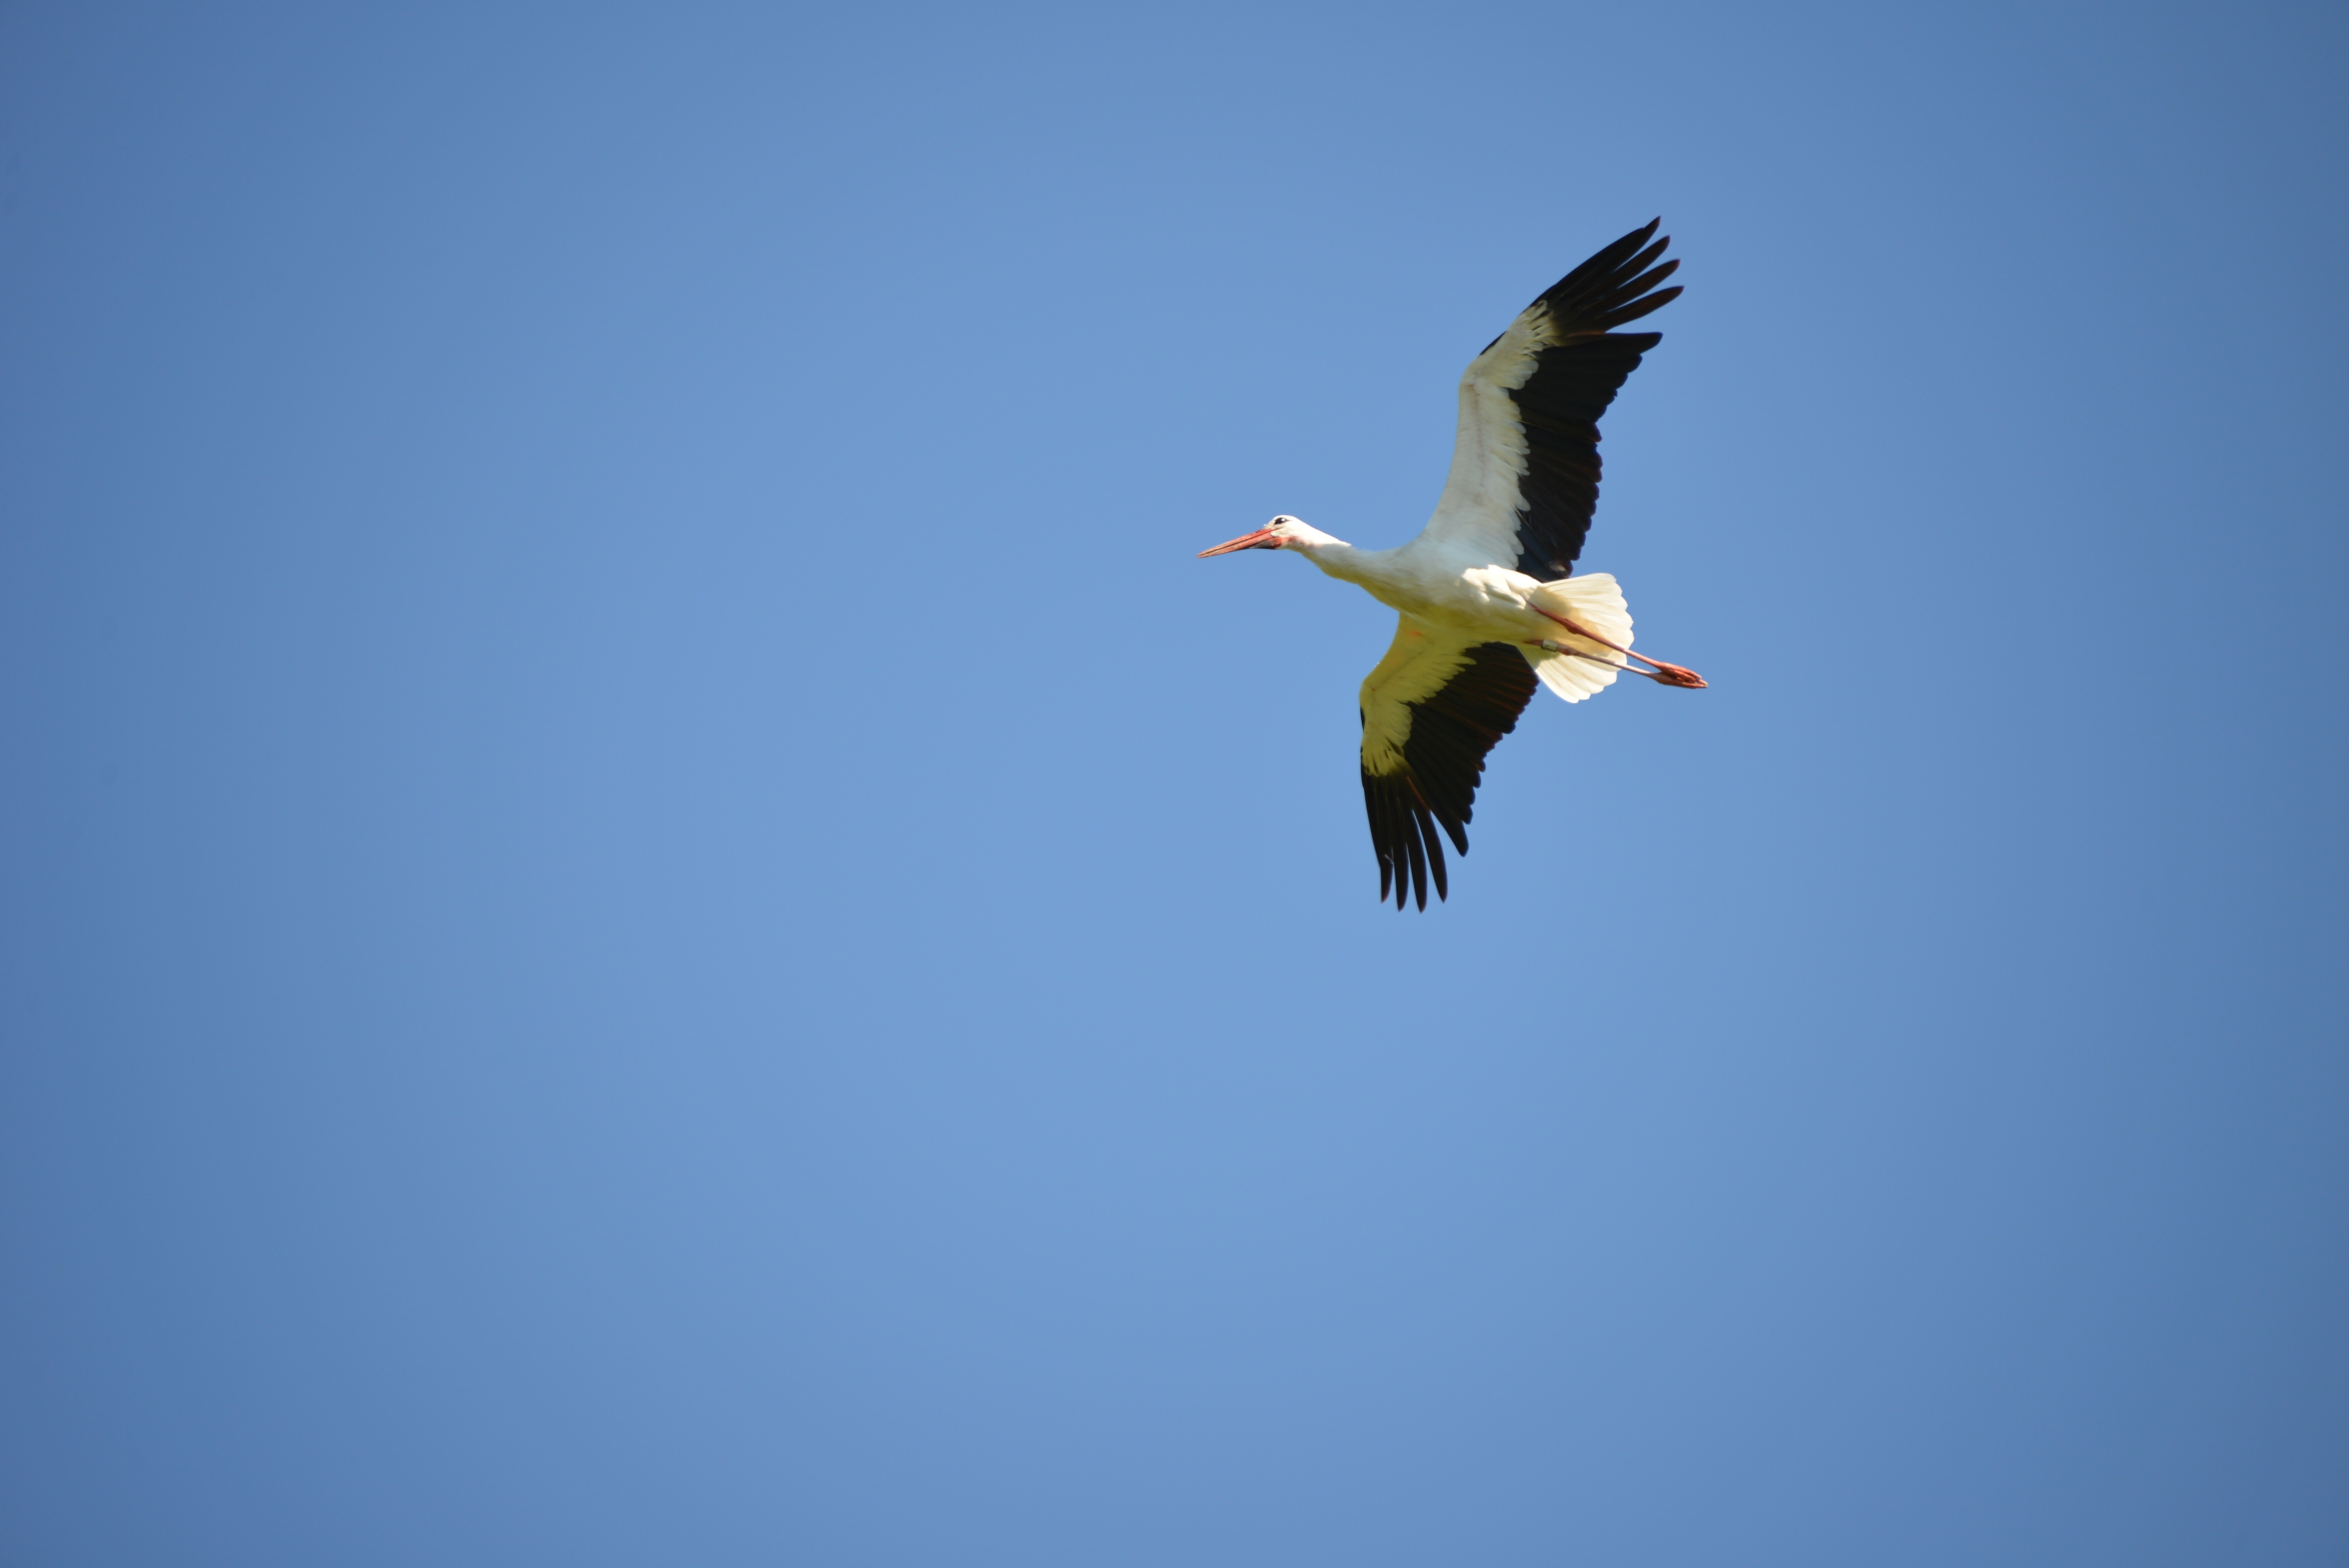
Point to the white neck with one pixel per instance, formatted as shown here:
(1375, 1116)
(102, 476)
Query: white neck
(1340, 559)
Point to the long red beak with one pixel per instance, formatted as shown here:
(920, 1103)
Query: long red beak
(1262, 539)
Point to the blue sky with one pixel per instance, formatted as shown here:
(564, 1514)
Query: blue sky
(654, 917)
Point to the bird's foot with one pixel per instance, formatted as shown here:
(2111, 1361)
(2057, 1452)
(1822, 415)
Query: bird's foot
(1671, 675)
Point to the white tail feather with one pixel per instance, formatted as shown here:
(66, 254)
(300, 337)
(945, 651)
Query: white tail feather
(1595, 602)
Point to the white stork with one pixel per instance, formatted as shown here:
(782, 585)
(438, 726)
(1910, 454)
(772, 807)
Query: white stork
(1489, 602)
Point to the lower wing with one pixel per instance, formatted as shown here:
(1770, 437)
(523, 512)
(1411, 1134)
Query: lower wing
(1431, 710)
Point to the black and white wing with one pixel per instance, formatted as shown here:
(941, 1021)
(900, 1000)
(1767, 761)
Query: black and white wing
(1525, 467)
(1431, 710)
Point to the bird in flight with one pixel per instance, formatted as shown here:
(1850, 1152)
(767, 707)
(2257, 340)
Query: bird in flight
(1489, 602)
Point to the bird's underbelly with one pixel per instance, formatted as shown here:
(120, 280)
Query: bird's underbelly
(1490, 610)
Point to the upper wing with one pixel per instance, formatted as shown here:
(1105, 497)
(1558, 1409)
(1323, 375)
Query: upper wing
(1525, 467)
(1431, 710)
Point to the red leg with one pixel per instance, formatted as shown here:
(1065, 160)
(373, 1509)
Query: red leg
(1667, 675)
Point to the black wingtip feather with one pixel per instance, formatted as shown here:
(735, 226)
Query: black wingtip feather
(1457, 828)
(1434, 858)
(1637, 309)
(1411, 847)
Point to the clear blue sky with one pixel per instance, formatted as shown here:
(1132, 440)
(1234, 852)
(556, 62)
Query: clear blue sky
(654, 917)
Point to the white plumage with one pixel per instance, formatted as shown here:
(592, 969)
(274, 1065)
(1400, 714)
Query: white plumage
(1488, 604)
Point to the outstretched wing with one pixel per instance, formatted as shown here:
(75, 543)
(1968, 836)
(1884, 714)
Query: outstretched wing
(1431, 710)
(1525, 467)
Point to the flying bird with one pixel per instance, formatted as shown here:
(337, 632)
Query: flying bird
(1488, 601)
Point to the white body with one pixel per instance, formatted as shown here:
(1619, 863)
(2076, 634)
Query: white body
(1447, 598)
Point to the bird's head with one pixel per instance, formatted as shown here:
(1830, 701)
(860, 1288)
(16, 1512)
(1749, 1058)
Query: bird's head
(1283, 532)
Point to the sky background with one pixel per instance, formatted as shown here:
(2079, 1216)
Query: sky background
(653, 917)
